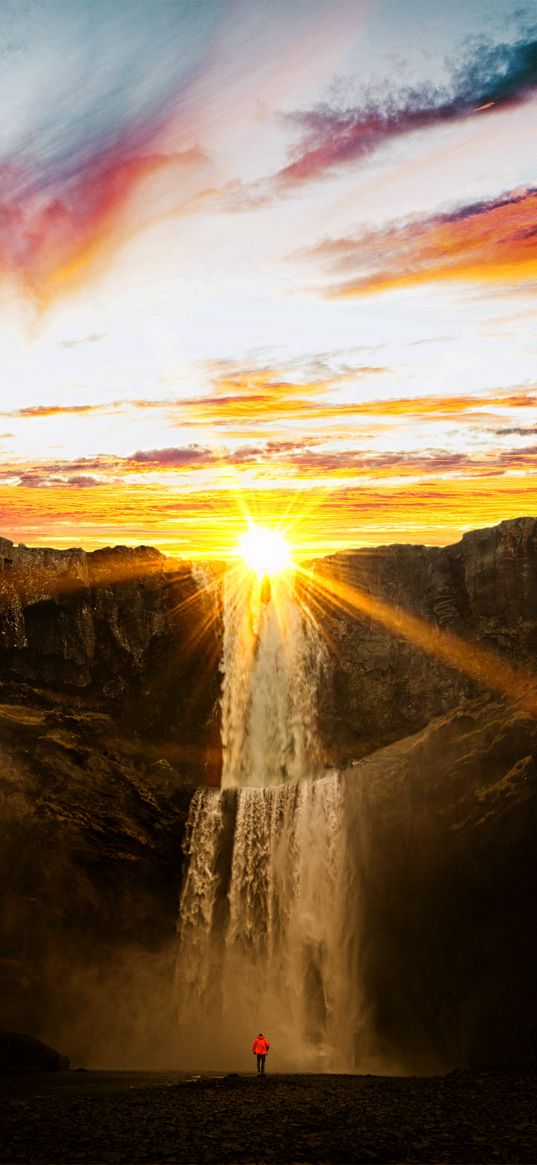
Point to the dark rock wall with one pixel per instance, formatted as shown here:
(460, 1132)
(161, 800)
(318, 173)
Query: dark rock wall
(134, 633)
(109, 684)
(379, 687)
(126, 631)
(20, 1053)
(447, 883)
(90, 873)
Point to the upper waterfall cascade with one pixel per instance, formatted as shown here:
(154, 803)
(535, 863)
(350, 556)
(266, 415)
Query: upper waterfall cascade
(271, 664)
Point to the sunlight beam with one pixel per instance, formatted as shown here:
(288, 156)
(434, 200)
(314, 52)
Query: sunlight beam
(487, 668)
(264, 550)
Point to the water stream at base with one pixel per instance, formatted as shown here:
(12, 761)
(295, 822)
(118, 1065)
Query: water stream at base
(265, 939)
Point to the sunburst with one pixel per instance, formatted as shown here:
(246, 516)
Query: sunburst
(265, 550)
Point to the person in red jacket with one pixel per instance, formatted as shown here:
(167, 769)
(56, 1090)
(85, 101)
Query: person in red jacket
(260, 1048)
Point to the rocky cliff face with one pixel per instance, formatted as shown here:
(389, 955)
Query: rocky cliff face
(90, 870)
(121, 631)
(447, 885)
(109, 688)
(379, 687)
(134, 634)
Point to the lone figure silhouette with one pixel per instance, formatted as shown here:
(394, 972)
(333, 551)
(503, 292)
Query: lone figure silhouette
(260, 1048)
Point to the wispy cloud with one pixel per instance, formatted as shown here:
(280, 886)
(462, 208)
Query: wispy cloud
(487, 240)
(278, 399)
(50, 232)
(95, 338)
(490, 77)
(303, 457)
(91, 124)
(35, 412)
(190, 457)
(34, 479)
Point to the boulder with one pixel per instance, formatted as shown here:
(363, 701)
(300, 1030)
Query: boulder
(21, 1053)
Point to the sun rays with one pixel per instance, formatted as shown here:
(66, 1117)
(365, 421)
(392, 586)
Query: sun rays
(265, 550)
(489, 669)
(266, 576)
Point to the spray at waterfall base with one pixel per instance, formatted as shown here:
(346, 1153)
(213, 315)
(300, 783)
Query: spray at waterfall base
(265, 940)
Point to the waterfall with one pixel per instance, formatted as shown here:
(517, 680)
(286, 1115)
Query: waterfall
(272, 660)
(265, 938)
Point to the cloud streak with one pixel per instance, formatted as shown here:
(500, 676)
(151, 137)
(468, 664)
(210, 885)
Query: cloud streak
(279, 400)
(94, 119)
(51, 232)
(491, 77)
(298, 459)
(493, 240)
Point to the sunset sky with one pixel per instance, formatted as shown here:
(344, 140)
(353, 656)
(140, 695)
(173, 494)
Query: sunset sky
(274, 257)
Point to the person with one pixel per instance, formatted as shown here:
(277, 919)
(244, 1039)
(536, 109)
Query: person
(260, 1048)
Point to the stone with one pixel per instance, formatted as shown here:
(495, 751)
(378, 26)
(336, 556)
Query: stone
(22, 1053)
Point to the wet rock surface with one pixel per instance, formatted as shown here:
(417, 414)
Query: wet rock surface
(467, 1117)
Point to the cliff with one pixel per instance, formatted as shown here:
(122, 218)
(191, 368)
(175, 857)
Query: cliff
(379, 687)
(90, 868)
(447, 879)
(109, 686)
(121, 631)
(137, 635)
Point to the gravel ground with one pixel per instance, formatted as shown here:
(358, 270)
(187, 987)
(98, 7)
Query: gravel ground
(124, 1118)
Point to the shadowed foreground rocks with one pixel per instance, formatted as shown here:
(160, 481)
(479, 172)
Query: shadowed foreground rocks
(20, 1053)
(461, 1119)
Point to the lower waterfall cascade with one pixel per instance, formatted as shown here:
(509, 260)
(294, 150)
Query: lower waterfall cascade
(265, 937)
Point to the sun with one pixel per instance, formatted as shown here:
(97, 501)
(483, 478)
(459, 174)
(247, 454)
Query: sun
(265, 550)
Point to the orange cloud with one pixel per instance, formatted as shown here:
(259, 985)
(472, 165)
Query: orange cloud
(495, 240)
(52, 410)
(36, 411)
(276, 400)
(245, 401)
(288, 461)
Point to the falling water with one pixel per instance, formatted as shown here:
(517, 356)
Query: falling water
(265, 940)
(272, 660)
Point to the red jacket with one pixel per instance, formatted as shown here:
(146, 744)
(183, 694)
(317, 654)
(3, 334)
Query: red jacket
(260, 1046)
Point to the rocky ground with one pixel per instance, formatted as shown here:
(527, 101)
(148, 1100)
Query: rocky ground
(114, 1118)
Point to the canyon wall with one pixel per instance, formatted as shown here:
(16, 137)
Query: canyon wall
(379, 687)
(124, 631)
(109, 689)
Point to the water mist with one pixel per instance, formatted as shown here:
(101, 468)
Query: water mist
(264, 941)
